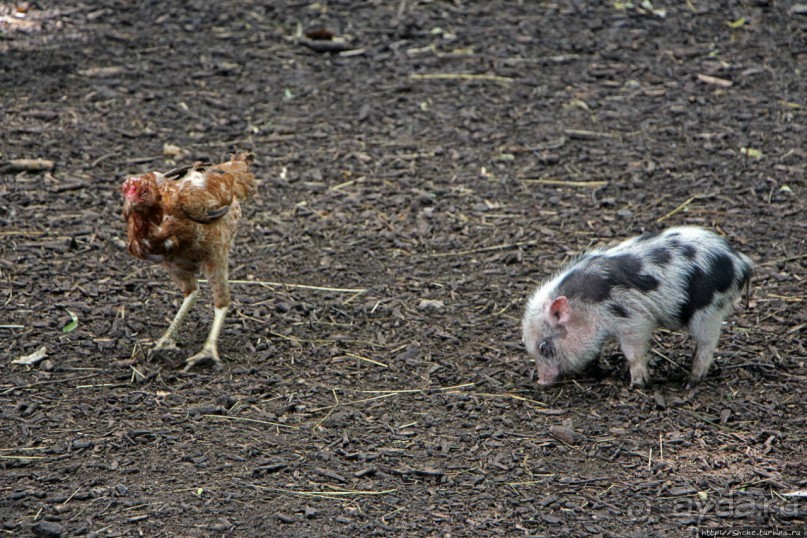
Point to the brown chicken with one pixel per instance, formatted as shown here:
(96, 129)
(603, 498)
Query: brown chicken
(185, 220)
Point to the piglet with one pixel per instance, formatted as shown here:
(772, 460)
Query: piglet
(682, 277)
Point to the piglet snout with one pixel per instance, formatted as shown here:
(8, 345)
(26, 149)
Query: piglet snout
(547, 373)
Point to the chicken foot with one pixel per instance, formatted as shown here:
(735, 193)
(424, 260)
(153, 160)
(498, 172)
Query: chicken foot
(168, 341)
(210, 350)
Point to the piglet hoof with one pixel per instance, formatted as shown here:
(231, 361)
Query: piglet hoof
(691, 383)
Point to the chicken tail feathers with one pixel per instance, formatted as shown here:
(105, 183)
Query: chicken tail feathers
(246, 156)
(243, 180)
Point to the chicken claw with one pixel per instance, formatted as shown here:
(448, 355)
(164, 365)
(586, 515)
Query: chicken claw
(206, 355)
(210, 351)
(165, 344)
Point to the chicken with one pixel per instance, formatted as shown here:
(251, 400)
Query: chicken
(185, 220)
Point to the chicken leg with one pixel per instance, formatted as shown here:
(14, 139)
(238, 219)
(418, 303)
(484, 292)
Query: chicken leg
(187, 283)
(210, 350)
(168, 341)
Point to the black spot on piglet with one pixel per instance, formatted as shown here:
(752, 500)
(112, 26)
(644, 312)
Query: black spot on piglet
(699, 291)
(721, 272)
(660, 256)
(688, 251)
(593, 282)
(701, 286)
(625, 270)
(618, 310)
(586, 286)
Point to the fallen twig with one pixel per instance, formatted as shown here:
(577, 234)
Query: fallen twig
(26, 165)
(683, 206)
(243, 419)
(300, 286)
(782, 260)
(325, 494)
(383, 394)
(365, 359)
(483, 249)
(578, 134)
(460, 76)
(521, 399)
(21, 232)
(50, 382)
(563, 183)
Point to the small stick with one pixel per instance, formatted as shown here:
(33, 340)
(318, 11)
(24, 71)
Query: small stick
(104, 157)
(438, 389)
(12, 326)
(483, 249)
(683, 206)
(348, 493)
(560, 182)
(460, 76)
(301, 286)
(531, 482)
(344, 493)
(363, 400)
(242, 419)
(382, 394)
(788, 259)
(333, 408)
(508, 395)
(50, 382)
(786, 298)
(21, 232)
(26, 165)
(586, 135)
(371, 361)
(666, 358)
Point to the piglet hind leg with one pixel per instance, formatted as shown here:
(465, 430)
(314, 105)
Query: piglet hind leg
(635, 347)
(706, 333)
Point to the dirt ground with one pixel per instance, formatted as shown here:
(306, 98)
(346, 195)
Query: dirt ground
(416, 183)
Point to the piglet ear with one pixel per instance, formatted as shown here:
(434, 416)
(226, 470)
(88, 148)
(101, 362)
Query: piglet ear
(559, 311)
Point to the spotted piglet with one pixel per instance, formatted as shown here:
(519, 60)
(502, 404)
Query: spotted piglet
(683, 277)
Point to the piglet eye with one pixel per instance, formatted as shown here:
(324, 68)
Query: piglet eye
(546, 349)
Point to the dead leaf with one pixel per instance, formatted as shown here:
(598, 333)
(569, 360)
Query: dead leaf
(33, 358)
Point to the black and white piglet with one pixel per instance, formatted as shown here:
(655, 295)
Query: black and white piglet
(683, 277)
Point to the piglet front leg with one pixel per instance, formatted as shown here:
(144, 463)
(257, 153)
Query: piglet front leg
(635, 347)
